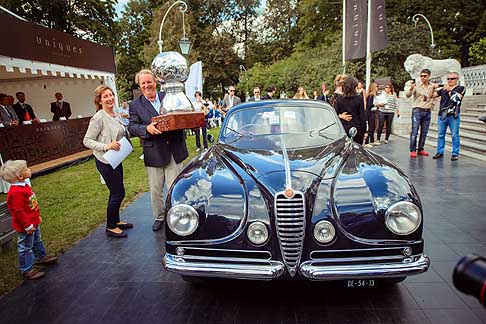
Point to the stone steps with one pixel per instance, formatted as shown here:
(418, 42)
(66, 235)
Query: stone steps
(470, 148)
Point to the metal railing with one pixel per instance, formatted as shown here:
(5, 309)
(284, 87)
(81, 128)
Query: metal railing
(475, 79)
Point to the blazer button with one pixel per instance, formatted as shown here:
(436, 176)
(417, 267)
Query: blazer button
(167, 142)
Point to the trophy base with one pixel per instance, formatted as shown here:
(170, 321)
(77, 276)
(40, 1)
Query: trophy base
(179, 120)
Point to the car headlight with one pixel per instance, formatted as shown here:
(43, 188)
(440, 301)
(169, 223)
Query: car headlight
(403, 218)
(182, 219)
(257, 233)
(324, 231)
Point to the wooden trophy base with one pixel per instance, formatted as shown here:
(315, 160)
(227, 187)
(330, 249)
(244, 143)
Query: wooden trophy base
(179, 120)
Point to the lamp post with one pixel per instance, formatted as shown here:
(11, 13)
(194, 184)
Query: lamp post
(415, 19)
(184, 43)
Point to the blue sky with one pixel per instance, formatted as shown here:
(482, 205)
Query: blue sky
(119, 6)
(121, 3)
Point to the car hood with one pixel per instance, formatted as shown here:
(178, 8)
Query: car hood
(321, 159)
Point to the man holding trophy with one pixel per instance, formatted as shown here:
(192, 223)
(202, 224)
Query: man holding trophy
(163, 151)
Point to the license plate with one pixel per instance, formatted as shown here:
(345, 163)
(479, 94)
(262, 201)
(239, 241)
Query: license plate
(359, 283)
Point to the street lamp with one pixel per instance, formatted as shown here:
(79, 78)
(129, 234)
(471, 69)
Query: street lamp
(184, 43)
(415, 19)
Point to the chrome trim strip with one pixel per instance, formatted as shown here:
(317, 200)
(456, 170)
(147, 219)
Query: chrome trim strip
(222, 259)
(188, 248)
(398, 248)
(362, 271)
(362, 259)
(269, 271)
(285, 157)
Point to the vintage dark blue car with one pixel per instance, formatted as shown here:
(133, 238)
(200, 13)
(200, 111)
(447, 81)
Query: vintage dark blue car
(285, 193)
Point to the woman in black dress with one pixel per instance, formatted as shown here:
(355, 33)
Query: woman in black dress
(350, 109)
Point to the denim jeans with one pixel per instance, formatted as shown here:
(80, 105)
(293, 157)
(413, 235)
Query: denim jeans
(30, 247)
(453, 124)
(420, 119)
(114, 182)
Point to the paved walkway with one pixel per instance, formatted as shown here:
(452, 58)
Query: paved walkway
(104, 280)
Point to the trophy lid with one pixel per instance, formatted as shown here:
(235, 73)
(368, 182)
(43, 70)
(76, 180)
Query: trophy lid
(169, 67)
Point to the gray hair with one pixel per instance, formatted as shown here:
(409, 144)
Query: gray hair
(144, 71)
(12, 169)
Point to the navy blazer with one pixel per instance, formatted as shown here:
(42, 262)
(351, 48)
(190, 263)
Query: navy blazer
(157, 149)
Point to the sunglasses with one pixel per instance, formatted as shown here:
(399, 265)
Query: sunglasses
(424, 76)
(451, 78)
(257, 92)
(232, 90)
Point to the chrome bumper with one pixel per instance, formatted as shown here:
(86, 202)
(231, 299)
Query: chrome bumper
(313, 271)
(263, 271)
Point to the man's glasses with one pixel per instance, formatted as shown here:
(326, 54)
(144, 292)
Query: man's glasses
(424, 76)
(232, 90)
(256, 92)
(452, 78)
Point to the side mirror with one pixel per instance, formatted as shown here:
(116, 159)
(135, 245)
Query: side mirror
(210, 138)
(352, 132)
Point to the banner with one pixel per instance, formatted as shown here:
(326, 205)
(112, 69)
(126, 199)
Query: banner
(378, 25)
(30, 41)
(355, 29)
(194, 81)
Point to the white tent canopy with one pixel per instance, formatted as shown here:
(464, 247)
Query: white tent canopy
(40, 81)
(40, 62)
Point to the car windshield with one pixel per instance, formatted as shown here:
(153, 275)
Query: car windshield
(304, 124)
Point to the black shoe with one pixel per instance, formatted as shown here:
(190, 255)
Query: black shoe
(46, 260)
(454, 158)
(437, 156)
(482, 118)
(124, 225)
(157, 225)
(116, 235)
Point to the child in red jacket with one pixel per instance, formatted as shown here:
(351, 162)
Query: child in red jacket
(24, 208)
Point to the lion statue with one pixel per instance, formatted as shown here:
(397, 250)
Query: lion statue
(439, 68)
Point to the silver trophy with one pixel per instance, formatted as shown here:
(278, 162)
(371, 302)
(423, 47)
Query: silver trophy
(171, 71)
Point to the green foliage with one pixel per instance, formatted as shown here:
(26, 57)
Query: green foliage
(477, 52)
(134, 36)
(456, 25)
(308, 69)
(88, 19)
(308, 66)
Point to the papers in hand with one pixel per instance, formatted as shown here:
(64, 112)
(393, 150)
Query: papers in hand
(116, 157)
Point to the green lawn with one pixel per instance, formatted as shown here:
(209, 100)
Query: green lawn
(73, 203)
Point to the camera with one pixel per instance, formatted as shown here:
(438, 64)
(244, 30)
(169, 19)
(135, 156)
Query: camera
(470, 276)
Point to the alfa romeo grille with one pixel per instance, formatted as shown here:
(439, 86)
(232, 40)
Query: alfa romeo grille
(290, 219)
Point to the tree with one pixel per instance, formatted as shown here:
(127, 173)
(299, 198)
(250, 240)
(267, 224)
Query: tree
(318, 23)
(134, 36)
(477, 52)
(456, 25)
(89, 19)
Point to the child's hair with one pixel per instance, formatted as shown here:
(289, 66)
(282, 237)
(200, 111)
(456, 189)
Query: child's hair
(12, 169)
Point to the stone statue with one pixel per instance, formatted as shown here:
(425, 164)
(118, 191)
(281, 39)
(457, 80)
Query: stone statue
(439, 68)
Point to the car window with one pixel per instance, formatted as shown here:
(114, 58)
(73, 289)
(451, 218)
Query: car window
(270, 121)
